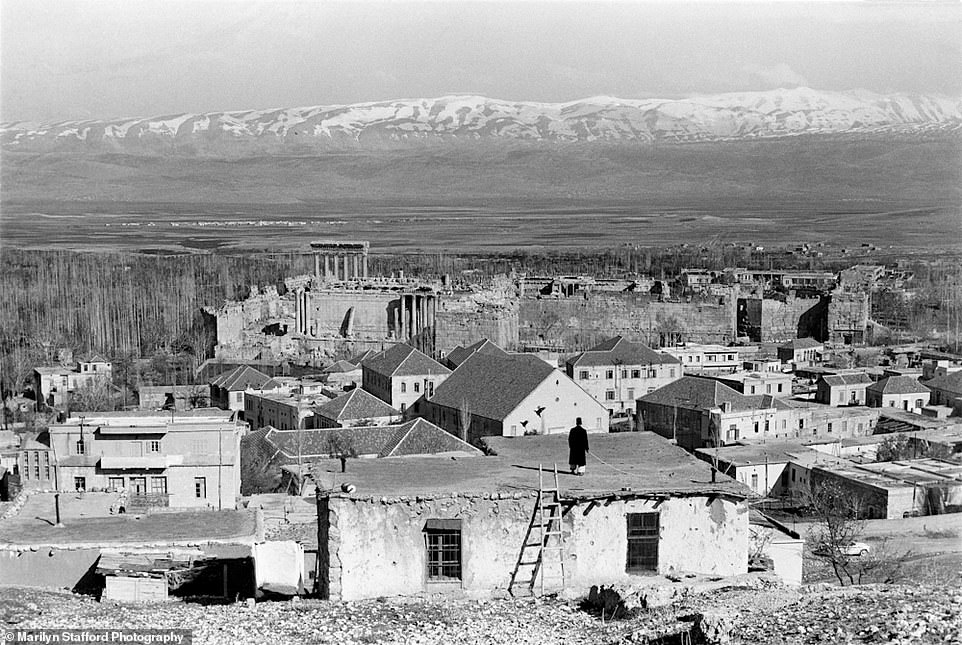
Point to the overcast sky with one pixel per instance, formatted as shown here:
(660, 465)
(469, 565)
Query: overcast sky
(67, 59)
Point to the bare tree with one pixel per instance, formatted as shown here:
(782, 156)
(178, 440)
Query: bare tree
(341, 446)
(464, 418)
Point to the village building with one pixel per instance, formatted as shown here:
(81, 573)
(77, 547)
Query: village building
(53, 385)
(282, 409)
(510, 397)
(354, 408)
(460, 353)
(706, 358)
(173, 397)
(903, 392)
(801, 352)
(947, 390)
(776, 384)
(842, 388)
(228, 389)
(766, 468)
(784, 547)
(405, 527)
(700, 411)
(618, 371)
(897, 489)
(400, 375)
(178, 460)
(342, 375)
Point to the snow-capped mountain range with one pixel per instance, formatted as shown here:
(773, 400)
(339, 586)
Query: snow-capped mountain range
(746, 115)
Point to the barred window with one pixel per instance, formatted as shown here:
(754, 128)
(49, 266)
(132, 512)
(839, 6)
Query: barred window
(442, 539)
(642, 542)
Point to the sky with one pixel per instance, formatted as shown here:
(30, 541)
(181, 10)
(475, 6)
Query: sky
(73, 59)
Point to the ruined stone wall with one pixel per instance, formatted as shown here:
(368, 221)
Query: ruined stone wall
(375, 547)
(459, 327)
(236, 319)
(848, 314)
(578, 323)
(777, 320)
(373, 313)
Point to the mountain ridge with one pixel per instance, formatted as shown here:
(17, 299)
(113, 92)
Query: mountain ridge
(466, 117)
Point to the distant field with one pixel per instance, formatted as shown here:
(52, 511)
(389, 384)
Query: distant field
(473, 225)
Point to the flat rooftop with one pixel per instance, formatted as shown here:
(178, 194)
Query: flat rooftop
(87, 522)
(633, 463)
(761, 453)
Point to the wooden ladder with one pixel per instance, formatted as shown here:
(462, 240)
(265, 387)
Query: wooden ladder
(545, 523)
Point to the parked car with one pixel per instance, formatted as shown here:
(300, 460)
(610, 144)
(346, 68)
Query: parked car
(850, 549)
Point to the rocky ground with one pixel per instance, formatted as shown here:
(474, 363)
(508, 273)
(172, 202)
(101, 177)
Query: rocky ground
(815, 614)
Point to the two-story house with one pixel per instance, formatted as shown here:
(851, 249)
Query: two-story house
(618, 371)
(53, 385)
(842, 389)
(227, 390)
(400, 375)
(182, 460)
(706, 358)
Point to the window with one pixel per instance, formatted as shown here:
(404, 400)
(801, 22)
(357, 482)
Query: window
(801, 424)
(753, 389)
(404, 387)
(442, 541)
(755, 426)
(583, 375)
(609, 374)
(635, 373)
(430, 388)
(779, 387)
(784, 424)
(153, 446)
(609, 395)
(631, 393)
(755, 482)
(844, 426)
(80, 483)
(46, 472)
(81, 448)
(642, 542)
(158, 485)
(766, 425)
(768, 388)
(918, 403)
(671, 372)
(404, 407)
(115, 483)
(830, 426)
(36, 472)
(624, 373)
(417, 387)
(200, 487)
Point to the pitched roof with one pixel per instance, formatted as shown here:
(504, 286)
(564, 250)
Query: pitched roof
(697, 393)
(460, 354)
(340, 367)
(897, 385)
(951, 382)
(245, 377)
(403, 360)
(801, 343)
(835, 380)
(356, 404)
(619, 351)
(493, 386)
(416, 437)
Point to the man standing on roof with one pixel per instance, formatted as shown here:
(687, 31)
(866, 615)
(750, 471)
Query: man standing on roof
(577, 448)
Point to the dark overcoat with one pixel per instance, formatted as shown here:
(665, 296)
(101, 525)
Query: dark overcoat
(577, 446)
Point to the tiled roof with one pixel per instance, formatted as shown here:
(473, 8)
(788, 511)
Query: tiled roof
(696, 393)
(491, 385)
(416, 437)
(950, 382)
(460, 354)
(403, 360)
(801, 343)
(619, 351)
(898, 385)
(245, 377)
(846, 379)
(356, 404)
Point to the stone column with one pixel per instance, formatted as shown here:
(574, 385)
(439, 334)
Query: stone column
(365, 263)
(317, 265)
(354, 265)
(404, 325)
(327, 267)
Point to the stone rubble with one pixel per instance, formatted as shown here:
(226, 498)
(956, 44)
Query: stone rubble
(897, 614)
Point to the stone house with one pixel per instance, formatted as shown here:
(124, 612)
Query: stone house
(183, 460)
(842, 389)
(401, 374)
(227, 390)
(511, 397)
(282, 409)
(442, 526)
(356, 407)
(52, 385)
(461, 353)
(903, 392)
(706, 358)
(801, 351)
(618, 371)
(947, 390)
